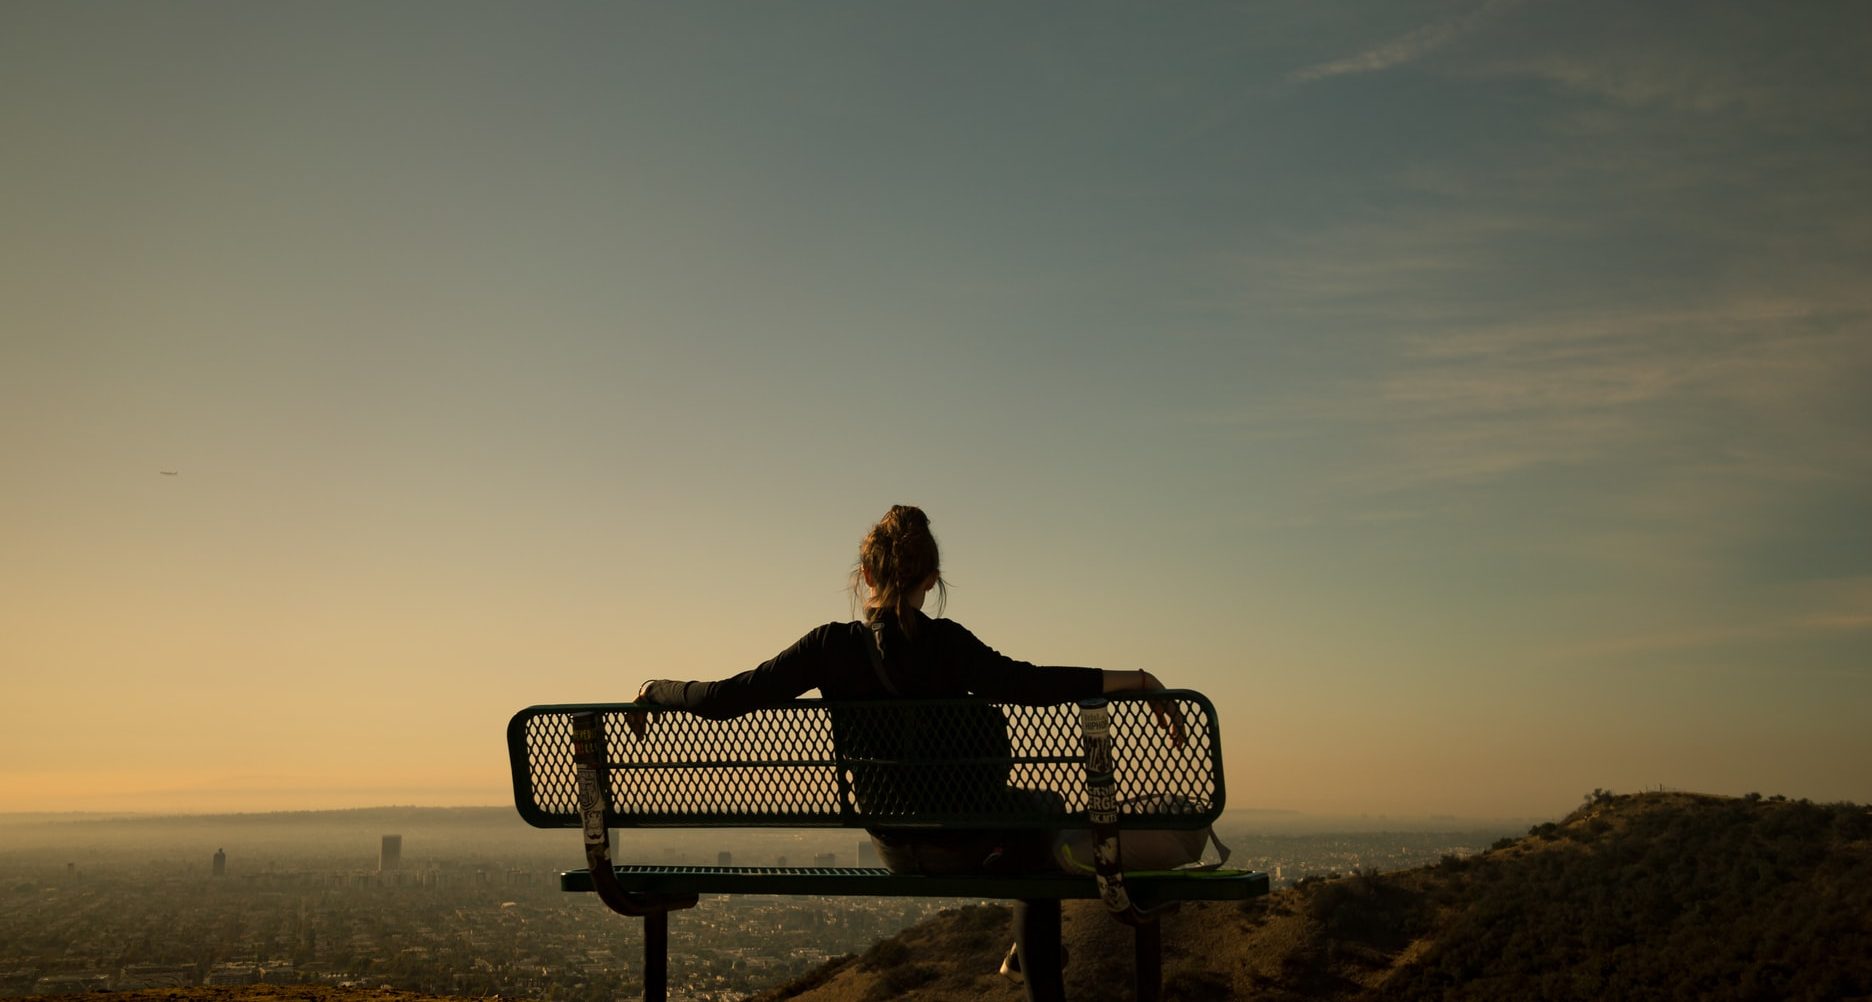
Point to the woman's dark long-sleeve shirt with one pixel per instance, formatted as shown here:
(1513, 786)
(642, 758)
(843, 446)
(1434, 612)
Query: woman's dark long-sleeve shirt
(943, 660)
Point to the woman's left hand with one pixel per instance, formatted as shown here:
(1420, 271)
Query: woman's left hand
(637, 720)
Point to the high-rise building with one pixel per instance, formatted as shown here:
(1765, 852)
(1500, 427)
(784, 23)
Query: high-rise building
(867, 853)
(724, 858)
(391, 856)
(220, 863)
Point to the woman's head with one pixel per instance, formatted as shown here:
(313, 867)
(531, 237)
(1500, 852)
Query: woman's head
(899, 563)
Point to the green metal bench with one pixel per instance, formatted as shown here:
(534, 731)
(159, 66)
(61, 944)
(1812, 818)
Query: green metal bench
(921, 764)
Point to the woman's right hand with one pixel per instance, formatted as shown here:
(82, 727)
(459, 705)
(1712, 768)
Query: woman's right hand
(1165, 710)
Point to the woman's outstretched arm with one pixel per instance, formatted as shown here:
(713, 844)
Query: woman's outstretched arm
(1131, 680)
(997, 676)
(787, 675)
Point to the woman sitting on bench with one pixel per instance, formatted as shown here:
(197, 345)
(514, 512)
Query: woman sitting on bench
(898, 652)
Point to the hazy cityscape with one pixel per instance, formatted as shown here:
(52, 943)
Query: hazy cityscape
(466, 901)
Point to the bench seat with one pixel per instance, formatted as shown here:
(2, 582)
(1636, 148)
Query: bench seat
(847, 881)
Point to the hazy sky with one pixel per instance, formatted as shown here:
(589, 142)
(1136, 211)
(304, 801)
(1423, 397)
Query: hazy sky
(1474, 398)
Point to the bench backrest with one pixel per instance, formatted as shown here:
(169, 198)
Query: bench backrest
(884, 763)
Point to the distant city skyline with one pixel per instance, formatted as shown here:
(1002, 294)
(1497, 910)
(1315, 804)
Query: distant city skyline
(1470, 397)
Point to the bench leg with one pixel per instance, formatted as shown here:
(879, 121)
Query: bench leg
(1149, 961)
(656, 957)
(1037, 937)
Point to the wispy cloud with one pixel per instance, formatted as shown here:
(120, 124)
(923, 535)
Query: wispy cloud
(1406, 48)
(1683, 412)
(1401, 270)
(1781, 72)
(1741, 389)
(1807, 610)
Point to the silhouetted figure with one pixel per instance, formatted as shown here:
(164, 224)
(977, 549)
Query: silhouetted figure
(897, 652)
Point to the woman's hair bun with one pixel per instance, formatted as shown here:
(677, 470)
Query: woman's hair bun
(897, 555)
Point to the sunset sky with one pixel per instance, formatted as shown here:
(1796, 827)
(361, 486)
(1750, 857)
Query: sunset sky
(1473, 398)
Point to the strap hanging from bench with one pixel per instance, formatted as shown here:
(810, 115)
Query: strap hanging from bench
(588, 754)
(1102, 812)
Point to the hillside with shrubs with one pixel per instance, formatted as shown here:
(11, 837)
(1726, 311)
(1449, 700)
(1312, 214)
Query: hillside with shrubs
(1653, 896)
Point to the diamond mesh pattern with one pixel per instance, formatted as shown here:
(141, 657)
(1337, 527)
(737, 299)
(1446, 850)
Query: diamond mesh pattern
(811, 763)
